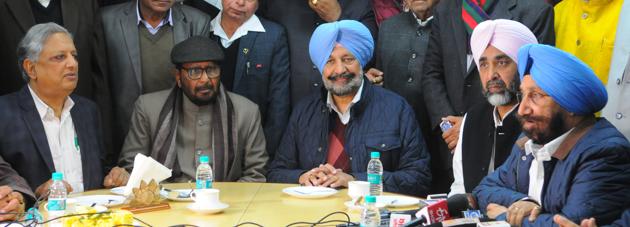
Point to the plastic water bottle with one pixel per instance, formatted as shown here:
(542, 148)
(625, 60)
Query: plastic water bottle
(57, 196)
(375, 174)
(204, 173)
(371, 216)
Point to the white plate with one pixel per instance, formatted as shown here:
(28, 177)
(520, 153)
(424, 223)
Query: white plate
(118, 190)
(103, 200)
(397, 201)
(208, 210)
(165, 194)
(309, 192)
(351, 206)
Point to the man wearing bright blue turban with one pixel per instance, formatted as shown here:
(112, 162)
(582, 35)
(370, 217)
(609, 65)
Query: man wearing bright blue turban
(569, 162)
(332, 133)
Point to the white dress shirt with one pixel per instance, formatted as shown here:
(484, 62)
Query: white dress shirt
(168, 20)
(252, 24)
(44, 3)
(62, 141)
(541, 153)
(344, 117)
(458, 186)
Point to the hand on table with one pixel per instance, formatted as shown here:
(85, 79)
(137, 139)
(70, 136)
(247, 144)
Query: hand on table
(10, 202)
(564, 222)
(116, 177)
(451, 136)
(326, 176)
(519, 210)
(328, 10)
(42, 190)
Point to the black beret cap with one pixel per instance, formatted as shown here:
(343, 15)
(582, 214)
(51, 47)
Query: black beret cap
(196, 49)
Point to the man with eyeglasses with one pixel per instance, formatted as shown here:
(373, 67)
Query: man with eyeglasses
(331, 134)
(569, 162)
(198, 117)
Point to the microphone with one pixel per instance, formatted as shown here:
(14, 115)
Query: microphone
(440, 211)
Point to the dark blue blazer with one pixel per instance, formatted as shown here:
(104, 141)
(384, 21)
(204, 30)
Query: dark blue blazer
(262, 76)
(593, 180)
(381, 121)
(24, 146)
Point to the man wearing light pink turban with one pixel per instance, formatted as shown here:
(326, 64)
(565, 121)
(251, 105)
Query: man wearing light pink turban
(489, 129)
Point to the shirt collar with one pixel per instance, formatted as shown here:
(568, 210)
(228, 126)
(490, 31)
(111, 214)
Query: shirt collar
(215, 3)
(45, 111)
(167, 20)
(344, 117)
(252, 24)
(422, 23)
(546, 151)
(498, 121)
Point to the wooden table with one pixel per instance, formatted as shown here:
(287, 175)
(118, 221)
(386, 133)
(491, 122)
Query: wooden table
(262, 203)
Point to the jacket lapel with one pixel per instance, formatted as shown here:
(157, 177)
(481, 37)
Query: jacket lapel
(503, 9)
(35, 126)
(461, 38)
(81, 129)
(245, 48)
(70, 15)
(129, 26)
(180, 31)
(21, 10)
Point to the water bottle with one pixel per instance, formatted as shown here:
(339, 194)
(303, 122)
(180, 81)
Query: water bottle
(204, 173)
(371, 217)
(375, 174)
(57, 196)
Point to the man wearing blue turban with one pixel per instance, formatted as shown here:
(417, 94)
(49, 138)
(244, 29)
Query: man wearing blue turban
(569, 162)
(332, 133)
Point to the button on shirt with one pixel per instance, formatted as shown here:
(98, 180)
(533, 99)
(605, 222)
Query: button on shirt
(62, 141)
(152, 30)
(344, 117)
(541, 153)
(252, 24)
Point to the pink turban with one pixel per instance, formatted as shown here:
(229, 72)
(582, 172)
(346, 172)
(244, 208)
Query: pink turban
(506, 35)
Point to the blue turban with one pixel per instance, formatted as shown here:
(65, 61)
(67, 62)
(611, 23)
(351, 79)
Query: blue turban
(569, 82)
(351, 34)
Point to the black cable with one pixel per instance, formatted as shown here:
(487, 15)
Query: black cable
(321, 220)
(249, 223)
(141, 221)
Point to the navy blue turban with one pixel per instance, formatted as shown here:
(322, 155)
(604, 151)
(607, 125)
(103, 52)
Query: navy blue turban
(351, 34)
(569, 82)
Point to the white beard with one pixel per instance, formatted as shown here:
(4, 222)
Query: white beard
(500, 99)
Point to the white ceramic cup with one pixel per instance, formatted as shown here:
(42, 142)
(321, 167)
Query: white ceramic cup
(205, 197)
(358, 189)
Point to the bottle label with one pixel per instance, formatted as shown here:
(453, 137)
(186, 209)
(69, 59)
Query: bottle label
(202, 184)
(56, 204)
(374, 178)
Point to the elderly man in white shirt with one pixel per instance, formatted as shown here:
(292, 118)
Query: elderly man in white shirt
(256, 63)
(45, 129)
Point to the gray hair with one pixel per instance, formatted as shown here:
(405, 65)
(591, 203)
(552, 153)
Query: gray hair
(33, 42)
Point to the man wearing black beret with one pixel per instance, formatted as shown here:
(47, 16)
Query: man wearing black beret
(198, 117)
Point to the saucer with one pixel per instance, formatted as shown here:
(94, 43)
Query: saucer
(309, 192)
(208, 210)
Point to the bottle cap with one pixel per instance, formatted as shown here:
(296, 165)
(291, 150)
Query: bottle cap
(370, 199)
(204, 159)
(375, 154)
(57, 176)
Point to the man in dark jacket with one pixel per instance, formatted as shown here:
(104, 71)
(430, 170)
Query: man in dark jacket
(570, 163)
(331, 134)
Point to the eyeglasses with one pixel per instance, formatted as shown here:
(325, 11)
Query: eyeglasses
(195, 73)
(344, 60)
(535, 97)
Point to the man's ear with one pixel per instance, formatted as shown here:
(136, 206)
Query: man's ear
(178, 77)
(29, 68)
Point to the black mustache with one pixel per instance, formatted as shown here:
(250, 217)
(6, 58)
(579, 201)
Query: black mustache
(496, 81)
(346, 76)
